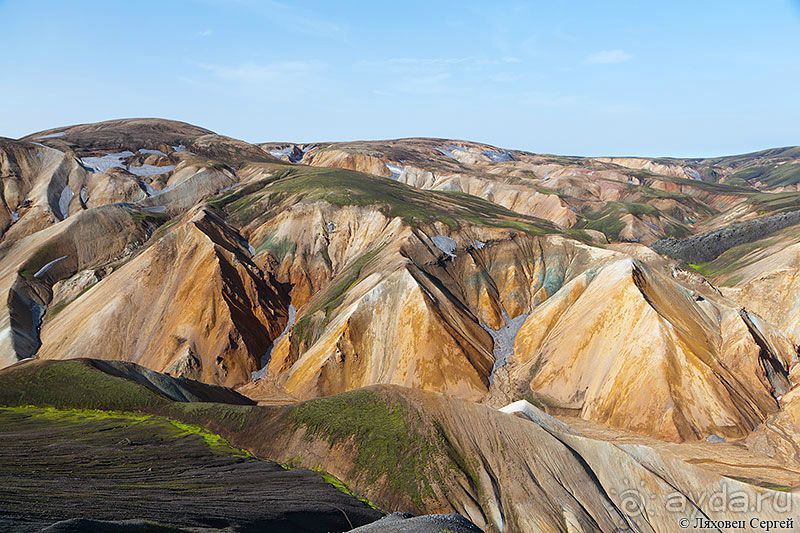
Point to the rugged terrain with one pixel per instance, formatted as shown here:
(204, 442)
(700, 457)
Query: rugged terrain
(384, 301)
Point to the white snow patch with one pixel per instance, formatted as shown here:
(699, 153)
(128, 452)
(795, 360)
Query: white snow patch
(64, 200)
(445, 244)
(396, 170)
(330, 226)
(478, 245)
(37, 313)
(84, 194)
(150, 170)
(266, 357)
(153, 152)
(537, 416)
(52, 135)
(180, 148)
(292, 152)
(692, 173)
(105, 162)
(498, 156)
(448, 150)
(148, 189)
(45, 269)
(281, 152)
(14, 216)
(504, 339)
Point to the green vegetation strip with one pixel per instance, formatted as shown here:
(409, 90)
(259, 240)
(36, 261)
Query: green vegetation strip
(387, 444)
(175, 429)
(348, 188)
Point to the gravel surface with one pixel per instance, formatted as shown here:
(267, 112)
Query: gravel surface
(112, 468)
(406, 523)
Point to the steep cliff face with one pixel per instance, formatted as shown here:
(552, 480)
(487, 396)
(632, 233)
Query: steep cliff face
(38, 186)
(31, 266)
(626, 329)
(209, 313)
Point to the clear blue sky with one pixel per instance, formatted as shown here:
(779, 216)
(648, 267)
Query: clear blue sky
(588, 78)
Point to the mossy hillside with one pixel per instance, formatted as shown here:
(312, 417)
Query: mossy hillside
(144, 423)
(276, 246)
(323, 304)
(348, 188)
(721, 269)
(771, 175)
(770, 203)
(388, 442)
(73, 384)
(608, 219)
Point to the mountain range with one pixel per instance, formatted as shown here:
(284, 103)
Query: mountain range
(480, 337)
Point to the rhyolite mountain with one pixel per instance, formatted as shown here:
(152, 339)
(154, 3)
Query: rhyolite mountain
(523, 334)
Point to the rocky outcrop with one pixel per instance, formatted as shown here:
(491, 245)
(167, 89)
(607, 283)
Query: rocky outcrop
(215, 331)
(709, 246)
(702, 367)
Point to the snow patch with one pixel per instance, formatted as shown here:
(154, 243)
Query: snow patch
(45, 269)
(84, 194)
(148, 189)
(105, 162)
(292, 152)
(504, 338)
(330, 226)
(445, 244)
(396, 170)
(150, 170)
(180, 148)
(153, 152)
(281, 152)
(715, 439)
(37, 313)
(478, 245)
(52, 135)
(692, 173)
(498, 156)
(64, 200)
(537, 416)
(448, 150)
(268, 355)
(14, 216)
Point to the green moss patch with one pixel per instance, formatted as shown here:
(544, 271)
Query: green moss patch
(348, 188)
(73, 384)
(387, 443)
(173, 428)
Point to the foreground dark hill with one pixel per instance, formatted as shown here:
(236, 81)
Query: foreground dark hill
(70, 463)
(514, 469)
(66, 464)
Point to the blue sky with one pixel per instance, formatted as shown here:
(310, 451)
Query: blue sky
(678, 78)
